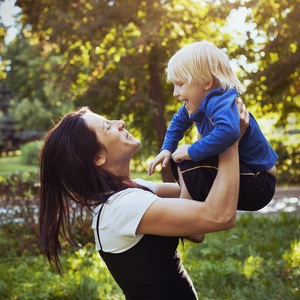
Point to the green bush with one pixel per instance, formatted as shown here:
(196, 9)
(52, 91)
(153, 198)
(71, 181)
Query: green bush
(288, 164)
(19, 197)
(30, 153)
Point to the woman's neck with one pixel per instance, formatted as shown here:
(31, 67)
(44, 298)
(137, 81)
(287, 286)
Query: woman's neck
(120, 169)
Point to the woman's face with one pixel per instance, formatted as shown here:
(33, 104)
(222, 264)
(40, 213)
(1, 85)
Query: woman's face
(118, 143)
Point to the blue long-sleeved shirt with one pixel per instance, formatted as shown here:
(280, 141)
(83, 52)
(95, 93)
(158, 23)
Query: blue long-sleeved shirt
(217, 121)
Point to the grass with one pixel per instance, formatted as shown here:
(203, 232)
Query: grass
(258, 259)
(13, 164)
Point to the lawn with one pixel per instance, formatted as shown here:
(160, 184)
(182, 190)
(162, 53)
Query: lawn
(258, 259)
(13, 164)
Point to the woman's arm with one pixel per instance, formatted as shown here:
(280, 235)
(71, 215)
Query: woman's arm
(183, 217)
(167, 190)
(196, 238)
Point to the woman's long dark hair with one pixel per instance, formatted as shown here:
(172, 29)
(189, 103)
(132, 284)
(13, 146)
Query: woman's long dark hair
(68, 171)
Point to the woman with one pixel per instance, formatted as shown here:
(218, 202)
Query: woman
(86, 159)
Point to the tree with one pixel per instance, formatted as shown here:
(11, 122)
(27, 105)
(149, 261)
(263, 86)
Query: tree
(115, 53)
(274, 93)
(274, 46)
(30, 80)
(7, 124)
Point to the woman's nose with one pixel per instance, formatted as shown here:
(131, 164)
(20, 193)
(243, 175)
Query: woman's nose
(120, 124)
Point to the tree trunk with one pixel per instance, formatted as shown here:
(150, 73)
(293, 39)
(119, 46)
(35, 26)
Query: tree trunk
(159, 119)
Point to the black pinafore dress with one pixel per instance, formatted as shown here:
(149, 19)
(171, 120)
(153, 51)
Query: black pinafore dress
(150, 270)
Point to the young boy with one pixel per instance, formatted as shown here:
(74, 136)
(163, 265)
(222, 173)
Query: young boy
(204, 80)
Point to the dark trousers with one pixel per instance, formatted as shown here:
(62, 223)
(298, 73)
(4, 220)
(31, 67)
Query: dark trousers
(256, 188)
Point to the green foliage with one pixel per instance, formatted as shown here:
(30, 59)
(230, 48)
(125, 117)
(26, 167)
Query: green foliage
(273, 45)
(36, 100)
(292, 257)
(21, 185)
(258, 259)
(18, 198)
(251, 261)
(116, 64)
(31, 277)
(288, 167)
(30, 153)
(67, 56)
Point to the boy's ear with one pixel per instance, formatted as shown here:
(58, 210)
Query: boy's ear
(209, 84)
(100, 160)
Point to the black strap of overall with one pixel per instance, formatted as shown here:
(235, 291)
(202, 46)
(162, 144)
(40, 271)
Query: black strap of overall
(98, 220)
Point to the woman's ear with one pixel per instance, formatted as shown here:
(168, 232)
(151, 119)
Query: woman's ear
(100, 160)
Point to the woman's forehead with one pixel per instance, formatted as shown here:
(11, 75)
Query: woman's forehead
(93, 119)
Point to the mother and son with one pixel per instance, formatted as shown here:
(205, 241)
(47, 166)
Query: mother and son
(137, 223)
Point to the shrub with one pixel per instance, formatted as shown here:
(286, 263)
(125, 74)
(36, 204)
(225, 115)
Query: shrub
(288, 164)
(18, 197)
(19, 202)
(30, 152)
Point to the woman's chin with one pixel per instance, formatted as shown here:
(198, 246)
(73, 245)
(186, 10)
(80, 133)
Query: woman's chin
(137, 144)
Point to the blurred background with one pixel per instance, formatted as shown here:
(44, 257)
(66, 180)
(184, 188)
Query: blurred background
(111, 56)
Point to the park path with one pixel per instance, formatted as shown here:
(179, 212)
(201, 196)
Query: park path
(285, 199)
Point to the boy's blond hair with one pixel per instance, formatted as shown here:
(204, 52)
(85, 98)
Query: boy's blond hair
(201, 62)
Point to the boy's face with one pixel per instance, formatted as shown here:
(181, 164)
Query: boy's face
(191, 93)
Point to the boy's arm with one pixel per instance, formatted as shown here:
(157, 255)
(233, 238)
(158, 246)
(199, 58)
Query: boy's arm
(225, 117)
(179, 124)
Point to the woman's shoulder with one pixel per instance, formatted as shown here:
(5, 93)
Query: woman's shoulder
(130, 196)
(146, 183)
(123, 211)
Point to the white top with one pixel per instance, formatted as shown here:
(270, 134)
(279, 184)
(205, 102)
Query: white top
(121, 216)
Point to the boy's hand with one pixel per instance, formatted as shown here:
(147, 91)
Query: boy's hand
(181, 153)
(163, 157)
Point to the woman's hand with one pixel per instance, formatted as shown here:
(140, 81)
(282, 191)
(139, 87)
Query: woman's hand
(244, 116)
(181, 153)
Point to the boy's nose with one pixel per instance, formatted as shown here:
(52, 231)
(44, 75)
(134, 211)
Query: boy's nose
(175, 93)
